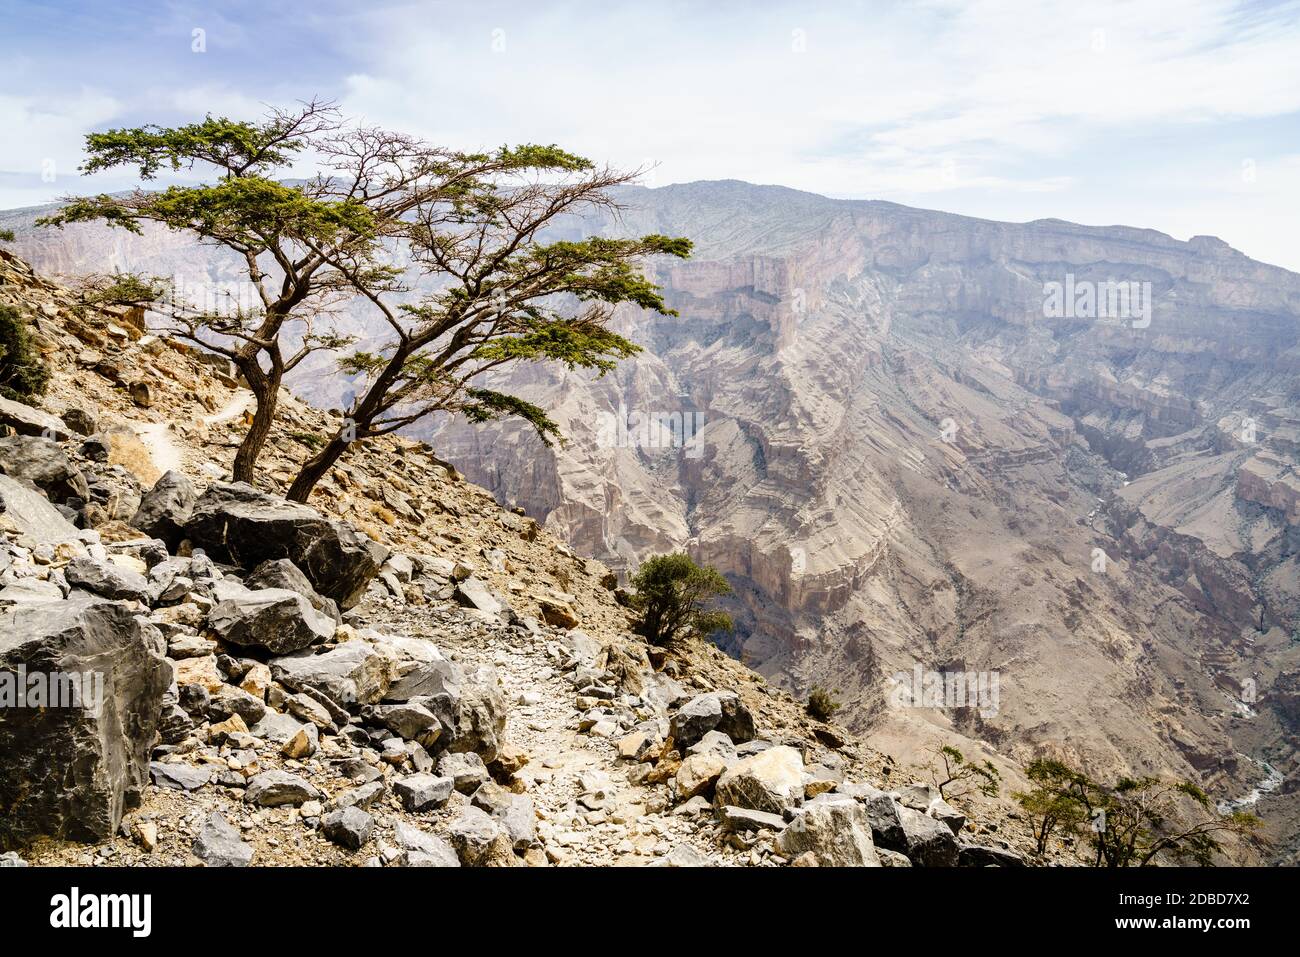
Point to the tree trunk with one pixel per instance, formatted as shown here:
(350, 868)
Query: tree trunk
(315, 468)
(266, 390)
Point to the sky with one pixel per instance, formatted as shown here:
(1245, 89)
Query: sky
(1182, 117)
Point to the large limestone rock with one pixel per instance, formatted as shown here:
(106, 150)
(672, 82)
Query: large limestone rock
(770, 781)
(218, 844)
(480, 716)
(236, 523)
(718, 710)
(107, 579)
(928, 842)
(277, 620)
(424, 849)
(481, 840)
(70, 771)
(40, 461)
(166, 508)
(354, 673)
(25, 420)
(838, 833)
(282, 573)
(29, 515)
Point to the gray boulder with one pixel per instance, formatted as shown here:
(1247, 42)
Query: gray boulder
(282, 573)
(747, 819)
(479, 723)
(985, 855)
(237, 524)
(722, 711)
(166, 508)
(354, 673)
(178, 777)
(424, 849)
(927, 842)
(422, 792)
(467, 771)
(474, 594)
(30, 516)
(40, 461)
(515, 812)
(882, 812)
(219, 845)
(480, 840)
(275, 619)
(25, 420)
(274, 788)
(348, 827)
(107, 579)
(411, 722)
(771, 781)
(28, 590)
(69, 771)
(838, 833)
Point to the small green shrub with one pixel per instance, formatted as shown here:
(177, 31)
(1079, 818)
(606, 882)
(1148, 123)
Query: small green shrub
(821, 705)
(672, 594)
(23, 374)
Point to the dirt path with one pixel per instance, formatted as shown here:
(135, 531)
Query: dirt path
(589, 812)
(163, 448)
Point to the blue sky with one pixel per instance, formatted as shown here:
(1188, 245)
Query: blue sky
(1182, 117)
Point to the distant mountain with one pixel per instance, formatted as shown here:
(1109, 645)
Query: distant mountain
(1057, 455)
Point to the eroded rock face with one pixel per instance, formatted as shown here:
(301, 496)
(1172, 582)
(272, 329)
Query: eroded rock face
(898, 443)
(235, 523)
(70, 771)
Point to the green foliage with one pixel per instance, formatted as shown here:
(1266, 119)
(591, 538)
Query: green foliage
(23, 374)
(384, 205)
(6, 235)
(821, 704)
(485, 405)
(1050, 804)
(1134, 822)
(238, 146)
(671, 595)
(309, 439)
(950, 768)
(248, 212)
(576, 344)
(123, 289)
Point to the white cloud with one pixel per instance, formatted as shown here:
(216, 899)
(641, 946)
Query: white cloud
(1137, 112)
(43, 149)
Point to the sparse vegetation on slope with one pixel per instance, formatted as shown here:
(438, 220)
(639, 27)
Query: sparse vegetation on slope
(22, 372)
(672, 593)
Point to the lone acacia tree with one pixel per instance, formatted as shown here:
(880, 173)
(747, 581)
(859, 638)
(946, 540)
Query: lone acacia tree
(279, 233)
(384, 204)
(474, 230)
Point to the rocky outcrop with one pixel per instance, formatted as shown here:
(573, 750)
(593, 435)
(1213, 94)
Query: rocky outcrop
(87, 679)
(238, 524)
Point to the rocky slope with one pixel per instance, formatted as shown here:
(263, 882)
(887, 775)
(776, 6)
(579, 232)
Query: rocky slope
(903, 458)
(405, 674)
